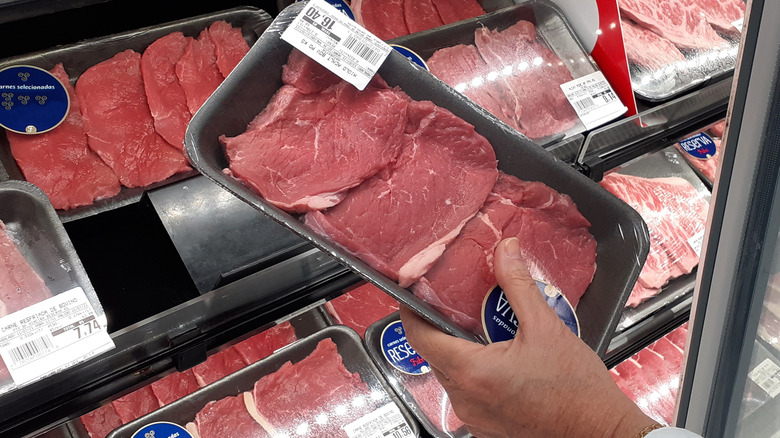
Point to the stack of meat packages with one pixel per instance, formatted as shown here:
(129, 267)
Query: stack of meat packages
(659, 33)
(361, 307)
(512, 74)
(407, 187)
(20, 285)
(102, 421)
(676, 215)
(395, 18)
(651, 378)
(127, 117)
(708, 166)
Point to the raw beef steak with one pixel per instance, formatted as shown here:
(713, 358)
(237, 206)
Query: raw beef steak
(304, 151)
(102, 421)
(451, 11)
(680, 21)
(136, 404)
(217, 366)
(60, 162)
(421, 15)
(300, 394)
(20, 286)
(228, 417)
(120, 126)
(718, 129)
(229, 45)
(400, 221)
(722, 13)
(533, 87)
(175, 386)
(554, 239)
(197, 71)
(167, 101)
(383, 18)
(263, 344)
(647, 49)
(306, 74)
(361, 307)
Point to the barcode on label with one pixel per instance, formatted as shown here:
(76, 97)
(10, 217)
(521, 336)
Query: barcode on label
(584, 104)
(361, 50)
(31, 350)
(767, 376)
(385, 422)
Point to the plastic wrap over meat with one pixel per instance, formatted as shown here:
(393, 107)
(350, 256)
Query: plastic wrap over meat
(673, 45)
(651, 378)
(431, 402)
(395, 18)
(676, 216)
(707, 167)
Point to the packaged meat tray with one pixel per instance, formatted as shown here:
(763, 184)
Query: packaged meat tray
(158, 110)
(617, 237)
(674, 203)
(674, 46)
(37, 258)
(288, 394)
(490, 57)
(422, 394)
(360, 307)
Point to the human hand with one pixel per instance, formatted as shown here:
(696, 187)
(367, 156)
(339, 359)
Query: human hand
(544, 383)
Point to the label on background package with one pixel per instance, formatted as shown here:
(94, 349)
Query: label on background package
(341, 5)
(385, 422)
(50, 336)
(739, 23)
(700, 146)
(593, 99)
(342, 46)
(33, 100)
(499, 320)
(696, 242)
(409, 54)
(767, 377)
(162, 430)
(399, 353)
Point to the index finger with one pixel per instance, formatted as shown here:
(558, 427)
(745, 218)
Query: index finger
(442, 351)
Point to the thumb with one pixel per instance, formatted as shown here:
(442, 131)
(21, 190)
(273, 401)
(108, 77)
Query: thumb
(518, 285)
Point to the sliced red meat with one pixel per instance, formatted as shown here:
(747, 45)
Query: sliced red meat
(679, 21)
(722, 13)
(228, 417)
(383, 18)
(451, 11)
(647, 49)
(400, 222)
(263, 344)
(167, 101)
(679, 336)
(120, 126)
(531, 75)
(304, 151)
(361, 307)
(462, 68)
(136, 404)
(431, 397)
(316, 396)
(217, 366)
(197, 71)
(421, 15)
(718, 129)
(640, 294)
(229, 45)
(102, 421)
(20, 285)
(60, 162)
(554, 239)
(306, 74)
(175, 386)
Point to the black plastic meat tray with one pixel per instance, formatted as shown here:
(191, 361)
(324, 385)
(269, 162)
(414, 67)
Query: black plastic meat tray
(349, 346)
(78, 57)
(619, 230)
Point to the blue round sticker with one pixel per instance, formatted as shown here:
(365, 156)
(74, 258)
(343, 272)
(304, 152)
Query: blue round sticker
(33, 100)
(500, 322)
(399, 353)
(162, 430)
(411, 56)
(342, 6)
(699, 146)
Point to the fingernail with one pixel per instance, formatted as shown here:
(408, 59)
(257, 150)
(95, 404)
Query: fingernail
(512, 248)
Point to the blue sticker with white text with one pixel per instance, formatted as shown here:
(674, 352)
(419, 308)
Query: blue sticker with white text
(699, 146)
(411, 56)
(399, 353)
(162, 430)
(32, 100)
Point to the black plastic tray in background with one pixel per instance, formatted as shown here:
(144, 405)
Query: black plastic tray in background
(349, 346)
(620, 232)
(78, 57)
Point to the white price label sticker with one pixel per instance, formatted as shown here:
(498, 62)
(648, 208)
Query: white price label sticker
(767, 377)
(696, 242)
(50, 336)
(385, 422)
(338, 43)
(593, 99)
(738, 24)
